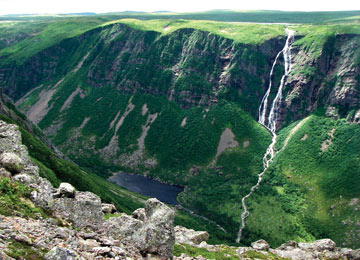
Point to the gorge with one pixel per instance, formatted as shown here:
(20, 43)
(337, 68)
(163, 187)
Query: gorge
(201, 104)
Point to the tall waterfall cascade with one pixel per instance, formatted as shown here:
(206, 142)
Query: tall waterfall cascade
(269, 120)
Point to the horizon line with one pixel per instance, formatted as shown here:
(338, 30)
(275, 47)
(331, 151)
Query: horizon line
(174, 12)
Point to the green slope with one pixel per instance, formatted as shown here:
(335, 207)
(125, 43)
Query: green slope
(58, 170)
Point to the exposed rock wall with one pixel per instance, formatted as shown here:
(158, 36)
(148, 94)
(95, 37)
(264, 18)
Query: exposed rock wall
(190, 66)
(329, 80)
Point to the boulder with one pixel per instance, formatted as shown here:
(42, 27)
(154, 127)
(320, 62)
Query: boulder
(157, 233)
(190, 236)
(60, 253)
(42, 196)
(118, 250)
(260, 245)
(108, 208)
(10, 141)
(319, 245)
(350, 253)
(66, 190)
(295, 254)
(31, 170)
(355, 254)
(151, 231)
(4, 173)
(24, 179)
(139, 214)
(101, 250)
(288, 245)
(122, 227)
(83, 211)
(23, 239)
(90, 235)
(319, 249)
(11, 162)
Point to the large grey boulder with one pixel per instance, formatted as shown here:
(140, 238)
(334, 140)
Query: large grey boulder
(157, 234)
(10, 141)
(31, 169)
(350, 253)
(24, 179)
(65, 190)
(260, 245)
(152, 232)
(11, 162)
(139, 214)
(42, 196)
(84, 211)
(319, 245)
(295, 254)
(122, 227)
(190, 236)
(5, 173)
(60, 253)
(288, 245)
(108, 208)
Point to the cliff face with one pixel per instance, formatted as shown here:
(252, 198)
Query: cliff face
(329, 79)
(188, 66)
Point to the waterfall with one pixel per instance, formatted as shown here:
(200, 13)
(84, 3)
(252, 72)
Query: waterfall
(270, 123)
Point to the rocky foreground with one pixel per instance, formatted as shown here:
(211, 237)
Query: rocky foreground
(75, 225)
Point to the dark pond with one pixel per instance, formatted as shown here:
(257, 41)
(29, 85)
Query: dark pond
(148, 187)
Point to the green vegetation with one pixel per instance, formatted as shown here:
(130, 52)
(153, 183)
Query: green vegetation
(314, 196)
(43, 34)
(15, 199)
(318, 36)
(19, 251)
(243, 33)
(109, 215)
(224, 253)
(217, 236)
(257, 255)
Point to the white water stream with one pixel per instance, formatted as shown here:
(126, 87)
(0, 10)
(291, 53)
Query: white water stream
(270, 121)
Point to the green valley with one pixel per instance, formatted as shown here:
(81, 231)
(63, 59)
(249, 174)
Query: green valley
(176, 97)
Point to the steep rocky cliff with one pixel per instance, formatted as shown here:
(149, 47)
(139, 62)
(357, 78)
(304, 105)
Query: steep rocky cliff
(189, 66)
(327, 78)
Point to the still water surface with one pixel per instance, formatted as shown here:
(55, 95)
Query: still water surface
(148, 187)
